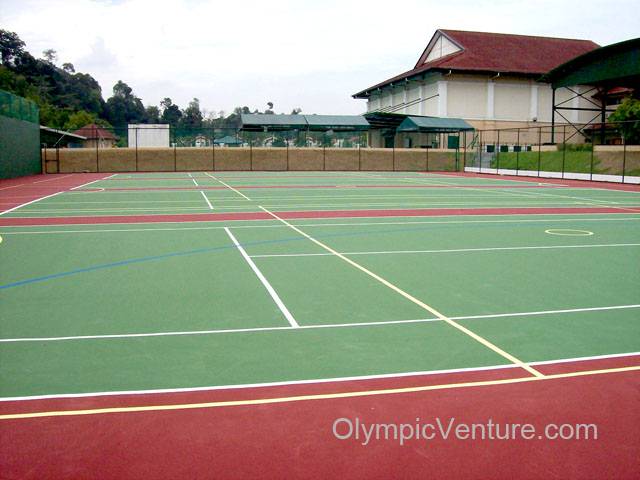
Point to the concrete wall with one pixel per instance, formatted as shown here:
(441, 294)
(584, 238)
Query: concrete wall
(480, 97)
(70, 160)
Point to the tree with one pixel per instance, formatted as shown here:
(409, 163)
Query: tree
(50, 55)
(68, 67)
(296, 111)
(124, 107)
(171, 113)
(629, 112)
(78, 120)
(152, 114)
(270, 109)
(192, 116)
(10, 46)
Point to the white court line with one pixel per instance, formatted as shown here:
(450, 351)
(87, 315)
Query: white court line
(478, 338)
(42, 198)
(193, 180)
(279, 225)
(310, 327)
(285, 311)
(29, 203)
(88, 183)
(228, 186)
(313, 381)
(206, 200)
(55, 178)
(487, 249)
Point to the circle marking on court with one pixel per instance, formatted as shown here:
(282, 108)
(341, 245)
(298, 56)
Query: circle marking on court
(569, 232)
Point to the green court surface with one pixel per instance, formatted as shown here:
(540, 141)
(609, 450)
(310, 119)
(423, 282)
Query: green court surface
(139, 305)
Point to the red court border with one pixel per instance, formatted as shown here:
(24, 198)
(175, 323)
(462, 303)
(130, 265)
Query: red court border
(296, 440)
(293, 215)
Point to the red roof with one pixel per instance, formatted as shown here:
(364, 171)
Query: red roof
(499, 53)
(93, 131)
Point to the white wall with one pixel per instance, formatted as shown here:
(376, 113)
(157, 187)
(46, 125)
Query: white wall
(466, 99)
(149, 135)
(479, 97)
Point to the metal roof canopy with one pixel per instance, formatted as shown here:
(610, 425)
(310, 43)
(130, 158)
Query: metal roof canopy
(433, 125)
(380, 120)
(616, 65)
(270, 122)
(344, 123)
(259, 122)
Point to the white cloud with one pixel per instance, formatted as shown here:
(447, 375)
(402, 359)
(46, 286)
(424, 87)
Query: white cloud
(296, 53)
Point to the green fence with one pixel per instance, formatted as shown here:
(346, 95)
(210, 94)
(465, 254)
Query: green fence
(19, 136)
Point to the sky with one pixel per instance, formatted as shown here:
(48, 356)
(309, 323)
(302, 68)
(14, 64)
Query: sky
(303, 54)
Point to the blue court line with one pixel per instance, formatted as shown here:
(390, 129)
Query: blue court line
(185, 253)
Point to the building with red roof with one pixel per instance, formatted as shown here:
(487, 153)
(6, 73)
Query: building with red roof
(491, 80)
(96, 136)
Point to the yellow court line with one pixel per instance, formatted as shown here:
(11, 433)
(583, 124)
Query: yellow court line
(410, 297)
(300, 398)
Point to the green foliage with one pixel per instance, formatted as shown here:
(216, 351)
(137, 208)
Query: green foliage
(575, 147)
(78, 120)
(10, 46)
(628, 111)
(171, 113)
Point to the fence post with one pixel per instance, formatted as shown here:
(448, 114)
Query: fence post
(498, 153)
(480, 152)
(564, 146)
(593, 147)
(213, 150)
(624, 156)
(464, 152)
(427, 165)
(324, 158)
(136, 148)
(393, 157)
(518, 153)
(539, 149)
(359, 159)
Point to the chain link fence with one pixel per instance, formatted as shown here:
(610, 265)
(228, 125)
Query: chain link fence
(609, 152)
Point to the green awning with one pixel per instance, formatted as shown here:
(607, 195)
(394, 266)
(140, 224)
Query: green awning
(227, 140)
(254, 122)
(259, 122)
(433, 125)
(616, 65)
(344, 123)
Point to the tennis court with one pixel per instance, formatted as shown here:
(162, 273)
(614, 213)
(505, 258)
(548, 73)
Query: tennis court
(244, 311)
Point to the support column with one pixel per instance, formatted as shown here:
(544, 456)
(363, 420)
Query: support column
(442, 98)
(491, 100)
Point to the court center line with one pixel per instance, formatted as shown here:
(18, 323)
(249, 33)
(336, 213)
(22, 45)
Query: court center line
(451, 250)
(311, 327)
(274, 295)
(279, 225)
(326, 396)
(411, 298)
(206, 200)
(228, 186)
